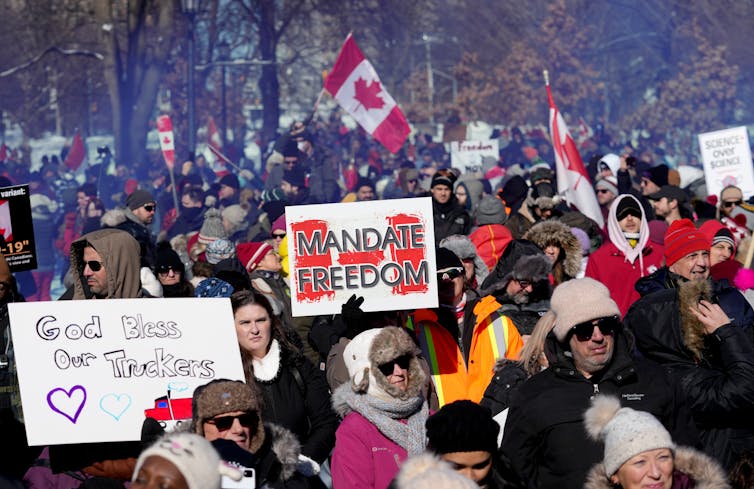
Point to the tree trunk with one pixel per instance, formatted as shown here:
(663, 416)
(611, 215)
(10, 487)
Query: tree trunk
(269, 86)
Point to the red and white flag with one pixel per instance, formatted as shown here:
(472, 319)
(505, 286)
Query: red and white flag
(573, 181)
(215, 145)
(357, 88)
(167, 144)
(76, 154)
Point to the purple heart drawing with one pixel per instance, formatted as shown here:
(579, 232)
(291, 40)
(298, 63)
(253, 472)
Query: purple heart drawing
(65, 402)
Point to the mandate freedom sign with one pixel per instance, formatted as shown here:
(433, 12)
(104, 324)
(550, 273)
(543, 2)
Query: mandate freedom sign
(727, 160)
(88, 369)
(381, 250)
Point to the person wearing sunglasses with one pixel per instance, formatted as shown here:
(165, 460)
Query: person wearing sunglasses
(589, 354)
(730, 198)
(383, 407)
(228, 413)
(136, 219)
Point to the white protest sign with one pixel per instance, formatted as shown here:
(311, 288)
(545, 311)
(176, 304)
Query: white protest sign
(469, 156)
(89, 369)
(381, 250)
(727, 160)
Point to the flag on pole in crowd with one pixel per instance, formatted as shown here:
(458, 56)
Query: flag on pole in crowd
(76, 154)
(573, 181)
(354, 83)
(215, 145)
(167, 144)
(3, 153)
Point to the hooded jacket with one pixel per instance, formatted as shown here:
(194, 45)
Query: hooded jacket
(544, 434)
(124, 219)
(716, 372)
(556, 233)
(692, 468)
(120, 256)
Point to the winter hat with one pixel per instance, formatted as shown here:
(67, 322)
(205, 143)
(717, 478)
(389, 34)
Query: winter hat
(139, 198)
(368, 350)
(611, 161)
(41, 204)
(608, 183)
(539, 172)
(194, 457)
(579, 300)
(443, 178)
(213, 287)
(212, 228)
(446, 261)
(462, 426)
(427, 471)
(218, 250)
(535, 268)
(230, 180)
(364, 182)
(167, 258)
(716, 232)
(295, 176)
(251, 254)
(683, 238)
(628, 207)
(235, 215)
(514, 190)
(490, 211)
(658, 175)
(279, 224)
(464, 249)
(586, 244)
(624, 431)
(273, 195)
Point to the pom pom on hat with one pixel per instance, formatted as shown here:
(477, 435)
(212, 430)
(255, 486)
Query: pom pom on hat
(426, 471)
(212, 228)
(624, 431)
(579, 300)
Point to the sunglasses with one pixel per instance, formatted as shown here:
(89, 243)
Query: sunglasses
(608, 325)
(450, 274)
(223, 423)
(524, 283)
(731, 203)
(150, 207)
(279, 236)
(94, 266)
(602, 190)
(402, 361)
(166, 269)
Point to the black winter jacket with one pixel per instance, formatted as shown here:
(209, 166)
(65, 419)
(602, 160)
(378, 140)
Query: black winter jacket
(450, 218)
(545, 438)
(716, 372)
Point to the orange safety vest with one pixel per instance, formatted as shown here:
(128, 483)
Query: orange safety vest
(495, 336)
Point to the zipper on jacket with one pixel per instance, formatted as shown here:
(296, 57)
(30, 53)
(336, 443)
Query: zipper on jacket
(596, 391)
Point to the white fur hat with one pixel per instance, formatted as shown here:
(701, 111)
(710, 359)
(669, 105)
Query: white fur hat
(625, 431)
(356, 357)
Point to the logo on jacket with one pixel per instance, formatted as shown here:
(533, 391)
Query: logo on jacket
(634, 397)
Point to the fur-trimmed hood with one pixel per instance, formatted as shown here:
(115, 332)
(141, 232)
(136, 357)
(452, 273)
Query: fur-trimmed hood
(704, 471)
(119, 215)
(286, 447)
(556, 233)
(689, 294)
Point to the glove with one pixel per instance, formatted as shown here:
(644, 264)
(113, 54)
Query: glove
(351, 312)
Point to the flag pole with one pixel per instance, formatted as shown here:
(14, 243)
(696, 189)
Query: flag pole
(546, 74)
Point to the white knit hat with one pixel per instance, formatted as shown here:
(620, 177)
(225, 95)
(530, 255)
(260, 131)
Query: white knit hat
(579, 300)
(194, 457)
(426, 471)
(625, 431)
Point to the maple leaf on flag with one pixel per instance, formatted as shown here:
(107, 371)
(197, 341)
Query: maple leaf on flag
(368, 95)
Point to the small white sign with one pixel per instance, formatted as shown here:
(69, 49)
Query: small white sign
(381, 250)
(727, 160)
(469, 156)
(89, 369)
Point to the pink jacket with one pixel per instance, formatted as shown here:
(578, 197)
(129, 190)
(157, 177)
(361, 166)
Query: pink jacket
(363, 457)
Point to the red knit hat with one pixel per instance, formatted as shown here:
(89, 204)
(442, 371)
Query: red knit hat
(251, 254)
(681, 239)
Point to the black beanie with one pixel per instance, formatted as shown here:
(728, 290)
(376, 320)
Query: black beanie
(627, 206)
(446, 260)
(658, 175)
(168, 258)
(462, 426)
(443, 177)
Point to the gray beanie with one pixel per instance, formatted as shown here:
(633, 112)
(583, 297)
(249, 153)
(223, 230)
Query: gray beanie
(212, 228)
(579, 300)
(235, 214)
(490, 211)
(625, 431)
(139, 198)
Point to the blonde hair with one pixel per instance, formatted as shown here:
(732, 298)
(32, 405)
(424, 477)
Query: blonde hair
(535, 345)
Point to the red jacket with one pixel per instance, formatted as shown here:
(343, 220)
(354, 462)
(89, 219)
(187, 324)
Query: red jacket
(490, 241)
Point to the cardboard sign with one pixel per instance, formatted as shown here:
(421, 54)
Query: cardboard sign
(469, 156)
(381, 250)
(727, 160)
(17, 229)
(88, 370)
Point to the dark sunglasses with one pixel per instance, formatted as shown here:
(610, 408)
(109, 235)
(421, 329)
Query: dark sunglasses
(450, 274)
(603, 190)
(166, 269)
(279, 236)
(94, 266)
(149, 207)
(731, 203)
(223, 423)
(608, 326)
(402, 361)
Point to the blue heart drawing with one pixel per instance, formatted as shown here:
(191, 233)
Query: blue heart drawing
(115, 404)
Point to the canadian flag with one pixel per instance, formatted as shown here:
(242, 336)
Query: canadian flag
(357, 88)
(76, 154)
(165, 131)
(215, 145)
(573, 180)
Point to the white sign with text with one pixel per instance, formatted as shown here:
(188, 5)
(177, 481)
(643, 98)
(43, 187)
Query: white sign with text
(469, 156)
(726, 156)
(89, 369)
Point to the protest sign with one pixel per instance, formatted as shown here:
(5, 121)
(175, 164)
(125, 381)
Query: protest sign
(17, 229)
(381, 250)
(470, 156)
(727, 160)
(88, 370)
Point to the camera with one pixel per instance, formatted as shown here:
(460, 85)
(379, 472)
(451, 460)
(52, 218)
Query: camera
(248, 481)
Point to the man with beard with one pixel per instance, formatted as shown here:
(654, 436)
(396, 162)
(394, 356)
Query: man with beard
(191, 217)
(462, 339)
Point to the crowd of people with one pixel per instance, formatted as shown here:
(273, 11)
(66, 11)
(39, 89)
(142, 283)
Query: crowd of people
(562, 354)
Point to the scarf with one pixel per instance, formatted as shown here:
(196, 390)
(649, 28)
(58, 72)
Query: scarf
(268, 368)
(385, 415)
(631, 252)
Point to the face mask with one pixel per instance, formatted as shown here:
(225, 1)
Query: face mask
(301, 146)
